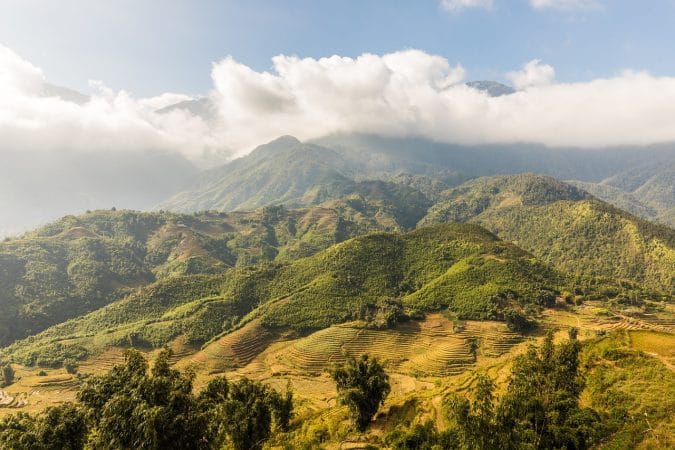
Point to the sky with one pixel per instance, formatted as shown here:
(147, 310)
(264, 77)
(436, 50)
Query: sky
(149, 47)
(588, 73)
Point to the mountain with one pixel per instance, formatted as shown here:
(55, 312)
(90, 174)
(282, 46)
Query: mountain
(493, 88)
(460, 267)
(647, 190)
(80, 263)
(287, 171)
(565, 227)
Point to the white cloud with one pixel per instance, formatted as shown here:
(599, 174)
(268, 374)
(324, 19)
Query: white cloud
(534, 73)
(565, 4)
(459, 5)
(398, 94)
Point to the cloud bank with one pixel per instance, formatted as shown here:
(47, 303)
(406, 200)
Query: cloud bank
(406, 93)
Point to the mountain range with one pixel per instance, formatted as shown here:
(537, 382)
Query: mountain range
(301, 255)
(287, 171)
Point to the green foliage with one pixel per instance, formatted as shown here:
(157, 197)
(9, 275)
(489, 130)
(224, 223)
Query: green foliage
(590, 238)
(56, 428)
(374, 277)
(634, 391)
(70, 366)
(247, 414)
(7, 375)
(421, 436)
(540, 408)
(362, 385)
(517, 321)
(470, 199)
(565, 227)
(131, 407)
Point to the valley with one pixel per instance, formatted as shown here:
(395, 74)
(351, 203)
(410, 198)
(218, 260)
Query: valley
(442, 284)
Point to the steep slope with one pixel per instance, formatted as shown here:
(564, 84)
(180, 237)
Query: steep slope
(470, 199)
(565, 227)
(460, 266)
(78, 264)
(279, 172)
(287, 171)
(617, 197)
(591, 238)
(647, 190)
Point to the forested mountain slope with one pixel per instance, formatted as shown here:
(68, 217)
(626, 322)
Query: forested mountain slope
(461, 267)
(564, 226)
(287, 171)
(80, 263)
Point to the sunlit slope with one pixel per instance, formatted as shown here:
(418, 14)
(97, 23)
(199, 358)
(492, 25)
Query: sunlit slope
(565, 227)
(461, 267)
(80, 263)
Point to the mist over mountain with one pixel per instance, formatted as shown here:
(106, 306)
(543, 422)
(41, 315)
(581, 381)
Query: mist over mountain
(291, 172)
(37, 187)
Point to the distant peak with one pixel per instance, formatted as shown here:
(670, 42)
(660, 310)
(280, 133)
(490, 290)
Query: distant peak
(285, 139)
(493, 88)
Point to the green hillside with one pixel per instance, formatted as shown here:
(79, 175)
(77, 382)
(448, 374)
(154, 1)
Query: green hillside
(468, 200)
(591, 238)
(646, 190)
(565, 227)
(462, 268)
(287, 171)
(79, 264)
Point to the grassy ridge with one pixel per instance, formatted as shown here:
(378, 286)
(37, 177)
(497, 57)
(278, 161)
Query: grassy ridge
(565, 227)
(461, 266)
(78, 264)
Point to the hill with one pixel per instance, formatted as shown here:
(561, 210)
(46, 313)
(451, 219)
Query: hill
(287, 171)
(462, 268)
(565, 227)
(647, 190)
(80, 263)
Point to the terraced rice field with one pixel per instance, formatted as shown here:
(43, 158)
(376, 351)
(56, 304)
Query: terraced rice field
(233, 350)
(430, 348)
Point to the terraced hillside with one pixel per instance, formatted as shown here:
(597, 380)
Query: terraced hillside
(461, 267)
(426, 360)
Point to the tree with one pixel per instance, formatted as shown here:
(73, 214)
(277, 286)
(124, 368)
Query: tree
(477, 424)
(247, 415)
(132, 409)
(539, 410)
(7, 375)
(61, 427)
(70, 365)
(473, 347)
(362, 385)
(282, 408)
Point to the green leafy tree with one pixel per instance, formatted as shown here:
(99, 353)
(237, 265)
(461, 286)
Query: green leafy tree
(7, 375)
(421, 436)
(282, 408)
(362, 385)
(61, 427)
(540, 409)
(132, 409)
(247, 415)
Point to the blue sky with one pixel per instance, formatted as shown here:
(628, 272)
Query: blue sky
(149, 47)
